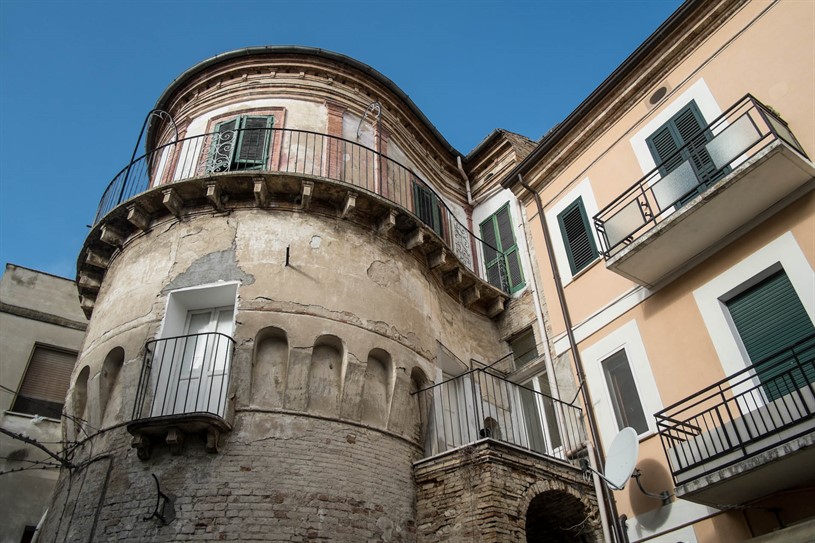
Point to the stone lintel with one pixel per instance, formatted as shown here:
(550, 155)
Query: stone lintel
(496, 307)
(437, 258)
(172, 202)
(470, 295)
(138, 218)
(261, 192)
(305, 194)
(414, 239)
(112, 237)
(214, 195)
(386, 222)
(453, 278)
(97, 260)
(349, 204)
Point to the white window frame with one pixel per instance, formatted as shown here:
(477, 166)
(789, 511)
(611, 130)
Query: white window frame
(782, 253)
(581, 190)
(625, 337)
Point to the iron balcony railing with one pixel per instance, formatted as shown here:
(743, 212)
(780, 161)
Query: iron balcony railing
(184, 375)
(761, 407)
(307, 153)
(740, 133)
(480, 404)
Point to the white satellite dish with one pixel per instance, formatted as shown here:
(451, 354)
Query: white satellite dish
(621, 459)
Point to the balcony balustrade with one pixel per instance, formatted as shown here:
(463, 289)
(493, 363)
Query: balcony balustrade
(748, 435)
(308, 154)
(480, 404)
(702, 195)
(182, 389)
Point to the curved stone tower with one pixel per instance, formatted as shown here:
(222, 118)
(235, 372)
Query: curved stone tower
(268, 284)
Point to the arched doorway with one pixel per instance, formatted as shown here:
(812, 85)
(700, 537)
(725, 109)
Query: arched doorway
(556, 516)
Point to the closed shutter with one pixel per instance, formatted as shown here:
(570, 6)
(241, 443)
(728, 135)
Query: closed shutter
(686, 131)
(45, 383)
(579, 243)
(426, 207)
(253, 144)
(770, 319)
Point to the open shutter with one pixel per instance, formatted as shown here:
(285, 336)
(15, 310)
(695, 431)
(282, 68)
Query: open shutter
(253, 143)
(223, 147)
(506, 236)
(579, 243)
(771, 318)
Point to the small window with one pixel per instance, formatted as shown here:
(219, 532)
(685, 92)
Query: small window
(524, 348)
(623, 391)
(45, 383)
(241, 143)
(577, 238)
(501, 256)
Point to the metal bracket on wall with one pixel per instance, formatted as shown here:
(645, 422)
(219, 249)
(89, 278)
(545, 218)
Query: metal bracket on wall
(164, 510)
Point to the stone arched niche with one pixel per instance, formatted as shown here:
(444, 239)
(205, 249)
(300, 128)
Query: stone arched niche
(269, 368)
(108, 378)
(325, 376)
(376, 390)
(420, 404)
(79, 399)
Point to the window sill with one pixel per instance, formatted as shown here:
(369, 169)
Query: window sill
(582, 272)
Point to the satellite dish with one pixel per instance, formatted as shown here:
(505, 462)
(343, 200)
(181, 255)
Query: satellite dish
(622, 458)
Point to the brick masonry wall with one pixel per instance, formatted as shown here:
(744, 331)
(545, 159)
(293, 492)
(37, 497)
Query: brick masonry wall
(482, 493)
(278, 477)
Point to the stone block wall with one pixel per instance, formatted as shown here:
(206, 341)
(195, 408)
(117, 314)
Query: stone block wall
(490, 492)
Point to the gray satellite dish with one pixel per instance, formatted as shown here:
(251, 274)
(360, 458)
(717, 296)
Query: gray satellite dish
(621, 459)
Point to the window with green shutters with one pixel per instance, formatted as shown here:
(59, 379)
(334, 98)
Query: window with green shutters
(770, 319)
(501, 251)
(577, 238)
(687, 130)
(241, 143)
(427, 208)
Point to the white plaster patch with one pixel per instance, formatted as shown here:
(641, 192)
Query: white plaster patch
(315, 242)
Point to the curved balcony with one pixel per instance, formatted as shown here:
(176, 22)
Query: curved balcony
(277, 167)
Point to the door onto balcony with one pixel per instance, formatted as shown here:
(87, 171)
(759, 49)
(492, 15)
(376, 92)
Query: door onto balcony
(205, 362)
(772, 324)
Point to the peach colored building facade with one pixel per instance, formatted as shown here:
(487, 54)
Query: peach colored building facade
(678, 205)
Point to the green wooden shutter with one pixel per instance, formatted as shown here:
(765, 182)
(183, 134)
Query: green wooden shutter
(686, 130)
(577, 238)
(252, 148)
(499, 237)
(771, 318)
(426, 207)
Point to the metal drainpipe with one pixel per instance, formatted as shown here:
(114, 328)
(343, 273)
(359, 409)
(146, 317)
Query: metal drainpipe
(608, 498)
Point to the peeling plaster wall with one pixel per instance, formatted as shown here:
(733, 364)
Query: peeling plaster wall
(326, 452)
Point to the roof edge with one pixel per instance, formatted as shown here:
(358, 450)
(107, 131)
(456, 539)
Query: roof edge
(308, 51)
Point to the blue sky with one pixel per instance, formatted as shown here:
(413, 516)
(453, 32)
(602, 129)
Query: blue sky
(78, 78)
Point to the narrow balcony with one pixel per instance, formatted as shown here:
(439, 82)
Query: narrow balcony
(704, 195)
(289, 169)
(481, 404)
(747, 436)
(182, 391)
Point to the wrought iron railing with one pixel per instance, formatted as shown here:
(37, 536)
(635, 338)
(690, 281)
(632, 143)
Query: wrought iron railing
(480, 404)
(761, 407)
(305, 153)
(738, 134)
(184, 375)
